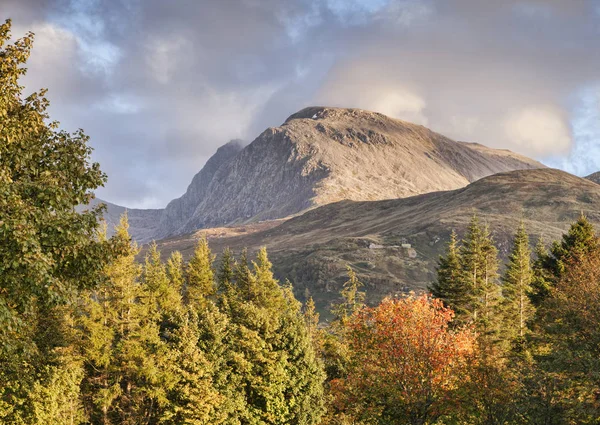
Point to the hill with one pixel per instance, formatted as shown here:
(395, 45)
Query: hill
(595, 177)
(394, 244)
(323, 155)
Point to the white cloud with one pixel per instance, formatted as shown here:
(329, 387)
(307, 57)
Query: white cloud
(539, 130)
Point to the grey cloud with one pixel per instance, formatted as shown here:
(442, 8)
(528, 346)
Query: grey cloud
(160, 85)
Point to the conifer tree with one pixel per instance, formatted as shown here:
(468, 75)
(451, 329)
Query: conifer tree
(311, 316)
(193, 399)
(156, 282)
(126, 363)
(243, 276)
(353, 298)
(479, 259)
(540, 283)
(199, 274)
(450, 285)
(225, 276)
(575, 246)
(517, 280)
(272, 362)
(175, 271)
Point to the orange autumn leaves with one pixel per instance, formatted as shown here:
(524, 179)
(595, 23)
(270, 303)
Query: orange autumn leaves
(406, 362)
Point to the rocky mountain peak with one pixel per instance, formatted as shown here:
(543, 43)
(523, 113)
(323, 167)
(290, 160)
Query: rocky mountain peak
(321, 155)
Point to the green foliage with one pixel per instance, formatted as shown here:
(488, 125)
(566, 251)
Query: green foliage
(200, 275)
(575, 245)
(479, 263)
(275, 374)
(48, 250)
(450, 285)
(516, 289)
(353, 298)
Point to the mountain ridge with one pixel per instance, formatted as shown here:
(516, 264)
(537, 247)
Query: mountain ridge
(321, 155)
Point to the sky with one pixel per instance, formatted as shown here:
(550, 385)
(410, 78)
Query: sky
(160, 85)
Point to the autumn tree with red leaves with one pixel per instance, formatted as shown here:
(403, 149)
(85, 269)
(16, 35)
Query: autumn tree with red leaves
(406, 364)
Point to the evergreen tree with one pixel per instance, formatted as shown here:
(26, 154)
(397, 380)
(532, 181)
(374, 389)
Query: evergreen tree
(575, 246)
(517, 287)
(243, 276)
(175, 271)
(540, 283)
(193, 399)
(274, 374)
(479, 258)
(450, 285)
(200, 275)
(311, 316)
(225, 276)
(126, 363)
(156, 281)
(353, 298)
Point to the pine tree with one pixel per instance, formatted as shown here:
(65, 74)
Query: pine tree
(450, 285)
(200, 275)
(479, 263)
(540, 283)
(575, 246)
(126, 364)
(274, 374)
(193, 399)
(353, 298)
(225, 276)
(243, 276)
(516, 290)
(311, 316)
(157, 283)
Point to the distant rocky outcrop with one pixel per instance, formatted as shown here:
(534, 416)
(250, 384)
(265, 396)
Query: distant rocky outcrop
(179, 211)
(595, 177)
(322, 155)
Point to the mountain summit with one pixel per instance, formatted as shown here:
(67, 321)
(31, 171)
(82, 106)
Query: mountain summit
(322, 155)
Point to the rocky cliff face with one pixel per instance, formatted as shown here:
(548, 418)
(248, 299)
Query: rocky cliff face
(179, 211)
(322, 155)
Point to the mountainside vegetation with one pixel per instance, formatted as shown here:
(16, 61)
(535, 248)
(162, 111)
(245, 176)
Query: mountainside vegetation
(393, 245)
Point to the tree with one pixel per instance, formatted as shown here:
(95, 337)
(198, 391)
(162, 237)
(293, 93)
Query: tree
(274, 375)
(479, 263)
(48, 250)
(450, 286)
(575, 245)
(199, 274)
(193, 399)
(225, 276)
(569, 337)
(407, 365)
(127, 366)
(353, 298)
(516, 290)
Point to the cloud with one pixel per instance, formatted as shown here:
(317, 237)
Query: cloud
(160, 85)
(539, 130)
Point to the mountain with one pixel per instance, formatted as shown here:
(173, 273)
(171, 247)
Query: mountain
(322, 155)
(178, 211)
(394, 244)
(143, 223)
(595, 177)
